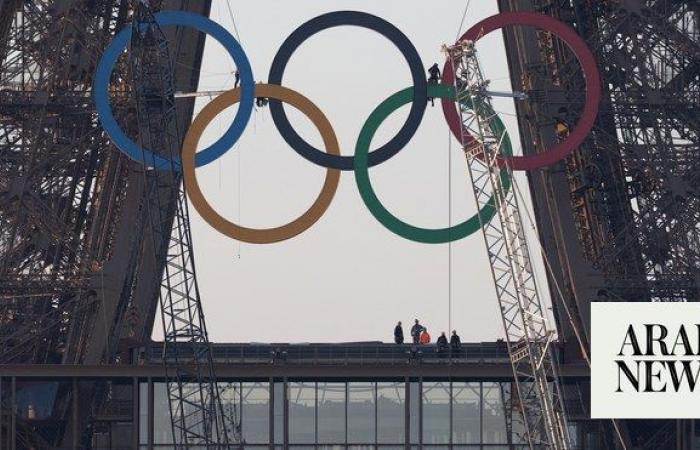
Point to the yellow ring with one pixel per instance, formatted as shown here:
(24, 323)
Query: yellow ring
(252, 235)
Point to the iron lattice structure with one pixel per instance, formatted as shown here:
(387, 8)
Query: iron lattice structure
(57, 180)
(536, 395)
(619, 219)
(197, 415)
(80, 263)
(631, 193)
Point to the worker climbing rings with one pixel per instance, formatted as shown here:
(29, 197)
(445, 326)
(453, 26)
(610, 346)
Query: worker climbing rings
(424, 235)
(374, 23)
(238, 232)
(119, 44)
(590, 72)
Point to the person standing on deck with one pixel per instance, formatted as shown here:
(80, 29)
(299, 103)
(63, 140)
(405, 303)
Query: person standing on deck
(398, 333)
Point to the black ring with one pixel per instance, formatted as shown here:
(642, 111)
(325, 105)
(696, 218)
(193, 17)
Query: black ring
(364, 20)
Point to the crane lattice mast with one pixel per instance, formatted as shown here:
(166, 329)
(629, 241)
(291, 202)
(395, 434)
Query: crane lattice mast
(536, 395)
(197, 416)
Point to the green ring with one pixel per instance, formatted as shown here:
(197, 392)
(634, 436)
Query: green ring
(392, 223)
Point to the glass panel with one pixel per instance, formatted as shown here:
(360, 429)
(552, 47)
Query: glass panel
(278, 401)
(39, 407)
(121, 436)
(162, 430)
(594, 440)
(574, 433)
(143, 413)
(414, 399)
(391, 413)
(465, 413)
(493, 414)
(230, 394)
(5, 411)
(302, 413)
(361, 413)
(501, 447)
(331, 413)
(436, 413)
(118, 404)
(36, 399)
(519, 436)
(256, 413)
(163, 433)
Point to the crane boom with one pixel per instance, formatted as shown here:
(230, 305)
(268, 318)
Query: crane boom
(536, 395)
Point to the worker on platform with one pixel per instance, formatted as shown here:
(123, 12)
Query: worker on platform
(398, 333)
(416, 330)
(434, 78)
(261, 102)
(435, 74)
(425, 337)
(442, 346)
(455, 343)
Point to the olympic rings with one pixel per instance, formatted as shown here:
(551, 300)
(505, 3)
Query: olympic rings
(424, 235)
(373, 23)
(133, 150)
(230, 229)
(332, 159)
(590, 72)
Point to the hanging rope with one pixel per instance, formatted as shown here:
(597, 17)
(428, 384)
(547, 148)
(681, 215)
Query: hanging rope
(550, 271)
(255, 126)
(240, 163)
(464, 17)
(449, 197)
(233, 20)
(449, 224)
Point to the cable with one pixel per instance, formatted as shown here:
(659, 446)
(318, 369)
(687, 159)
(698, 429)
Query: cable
(233, 20)
(238, 147)
(550, 271)
(449, 224)
(449, 198)
(240, 163)
(464, 17)
(201, 72)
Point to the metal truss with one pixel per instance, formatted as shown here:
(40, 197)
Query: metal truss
(57, 178)
(634, 183)
(61, 194)
(198, 418)
(78, 282)
(620, 218)
(537, 391)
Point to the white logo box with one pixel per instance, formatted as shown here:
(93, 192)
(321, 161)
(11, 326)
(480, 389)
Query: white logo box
(610, 335)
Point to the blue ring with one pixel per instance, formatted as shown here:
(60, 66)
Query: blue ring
(205, 25)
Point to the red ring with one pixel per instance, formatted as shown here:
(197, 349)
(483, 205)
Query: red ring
(590, 72)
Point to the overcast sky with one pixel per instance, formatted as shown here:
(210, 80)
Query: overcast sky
(347, 278)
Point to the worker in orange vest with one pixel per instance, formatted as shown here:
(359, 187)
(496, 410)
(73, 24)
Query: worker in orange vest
(425, 336)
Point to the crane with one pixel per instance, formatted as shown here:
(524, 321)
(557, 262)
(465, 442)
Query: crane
(536, 392)
(197, 415)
